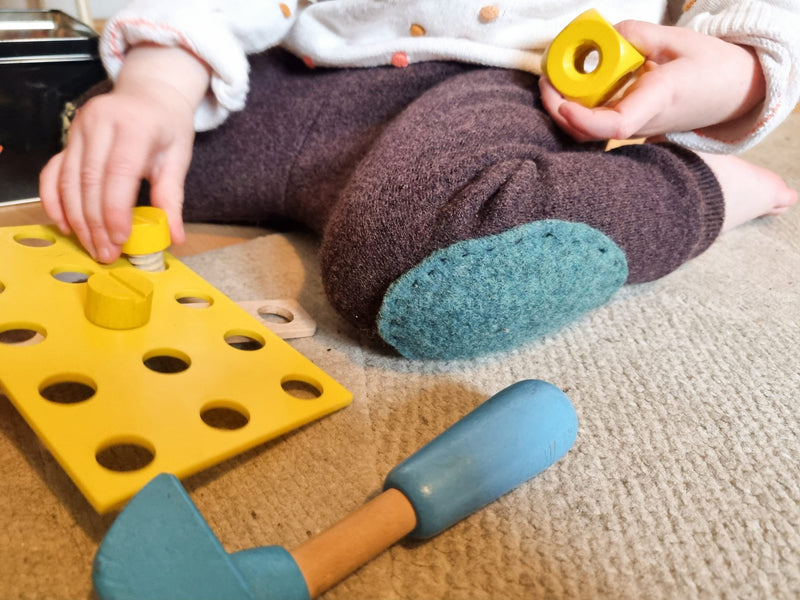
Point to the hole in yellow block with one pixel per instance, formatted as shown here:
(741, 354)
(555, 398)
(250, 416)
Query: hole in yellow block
(125, 455)
(22, 334)
(167, 361)
(224, 414)
(244, 340)
(68, 389)
(587, 59)
(301, 389)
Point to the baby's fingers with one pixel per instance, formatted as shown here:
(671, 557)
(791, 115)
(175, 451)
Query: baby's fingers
(71, 193)
(553, 102)
(49, 194)
(636, 114)
(93, 174)
(167, 186)
(96, 187)
(127, 164)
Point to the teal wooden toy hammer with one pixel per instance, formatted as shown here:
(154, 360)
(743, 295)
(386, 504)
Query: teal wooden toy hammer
(160, 547)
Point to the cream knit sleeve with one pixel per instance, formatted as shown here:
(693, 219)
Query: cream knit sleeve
(769, 26)
(220, 32)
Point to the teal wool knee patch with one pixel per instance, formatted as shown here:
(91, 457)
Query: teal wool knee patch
(496, 293)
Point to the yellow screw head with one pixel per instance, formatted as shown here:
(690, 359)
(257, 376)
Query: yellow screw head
(120, 298)
(149, 231)
(564, 61)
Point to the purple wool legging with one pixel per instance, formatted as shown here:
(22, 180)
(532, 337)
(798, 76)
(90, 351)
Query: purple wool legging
(390, 165)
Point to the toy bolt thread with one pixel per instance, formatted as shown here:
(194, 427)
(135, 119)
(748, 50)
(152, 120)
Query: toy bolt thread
(152, 263)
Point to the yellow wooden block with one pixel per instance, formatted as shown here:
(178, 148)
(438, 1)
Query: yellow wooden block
(194, 385)
(590, 39)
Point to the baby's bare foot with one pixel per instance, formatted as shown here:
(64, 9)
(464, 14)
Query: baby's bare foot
(750, 191)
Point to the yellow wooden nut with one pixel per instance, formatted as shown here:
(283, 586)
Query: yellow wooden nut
(149, 231)
(565, 67)
(119, 299)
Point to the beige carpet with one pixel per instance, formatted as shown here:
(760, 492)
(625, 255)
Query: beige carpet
(683, 483)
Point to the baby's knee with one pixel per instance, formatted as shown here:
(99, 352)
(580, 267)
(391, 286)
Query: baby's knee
(361, 254)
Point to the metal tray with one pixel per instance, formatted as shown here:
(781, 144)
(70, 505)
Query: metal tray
(47, 59)
(44, 36)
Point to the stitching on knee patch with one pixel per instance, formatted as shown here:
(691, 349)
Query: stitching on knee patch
(495, 293)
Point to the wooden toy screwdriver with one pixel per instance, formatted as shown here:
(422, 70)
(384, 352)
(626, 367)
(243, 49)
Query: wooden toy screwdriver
(160, 547)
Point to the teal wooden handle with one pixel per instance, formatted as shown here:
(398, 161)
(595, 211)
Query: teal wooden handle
(513, 436)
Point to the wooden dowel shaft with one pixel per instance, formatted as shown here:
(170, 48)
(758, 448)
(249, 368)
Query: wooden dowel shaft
(334, 553)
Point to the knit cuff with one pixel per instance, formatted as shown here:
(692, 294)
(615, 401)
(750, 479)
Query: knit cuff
(711, 208)
(229, 77)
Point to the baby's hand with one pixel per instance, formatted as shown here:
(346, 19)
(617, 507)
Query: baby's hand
(143, 129)
(115, 141)
(689, 81)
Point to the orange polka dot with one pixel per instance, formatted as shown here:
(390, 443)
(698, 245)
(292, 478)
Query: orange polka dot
(287, 12)
(417, 30)
(400, 59)
(309, 63)
(488, 13)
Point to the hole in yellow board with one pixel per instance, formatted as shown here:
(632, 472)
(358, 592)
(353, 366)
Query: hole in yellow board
(167, 361)
(225, 415)
(71, 275)
(125, 456)
(302, 390)
(68, 391)
(21, 334)
(194, 300)
(244, 340)
(42, 241)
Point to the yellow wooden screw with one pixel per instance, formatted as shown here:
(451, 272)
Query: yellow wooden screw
(120, 298)
(149, 238)
(565, 60)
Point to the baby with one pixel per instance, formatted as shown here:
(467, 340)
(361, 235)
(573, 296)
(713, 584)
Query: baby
(464, 206)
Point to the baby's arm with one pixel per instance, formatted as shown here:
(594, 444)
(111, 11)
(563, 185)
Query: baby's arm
(690, 81)
(143, 129)
(178, 66)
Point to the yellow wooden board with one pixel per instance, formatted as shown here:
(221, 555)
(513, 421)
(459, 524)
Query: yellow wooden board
(200, 381)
